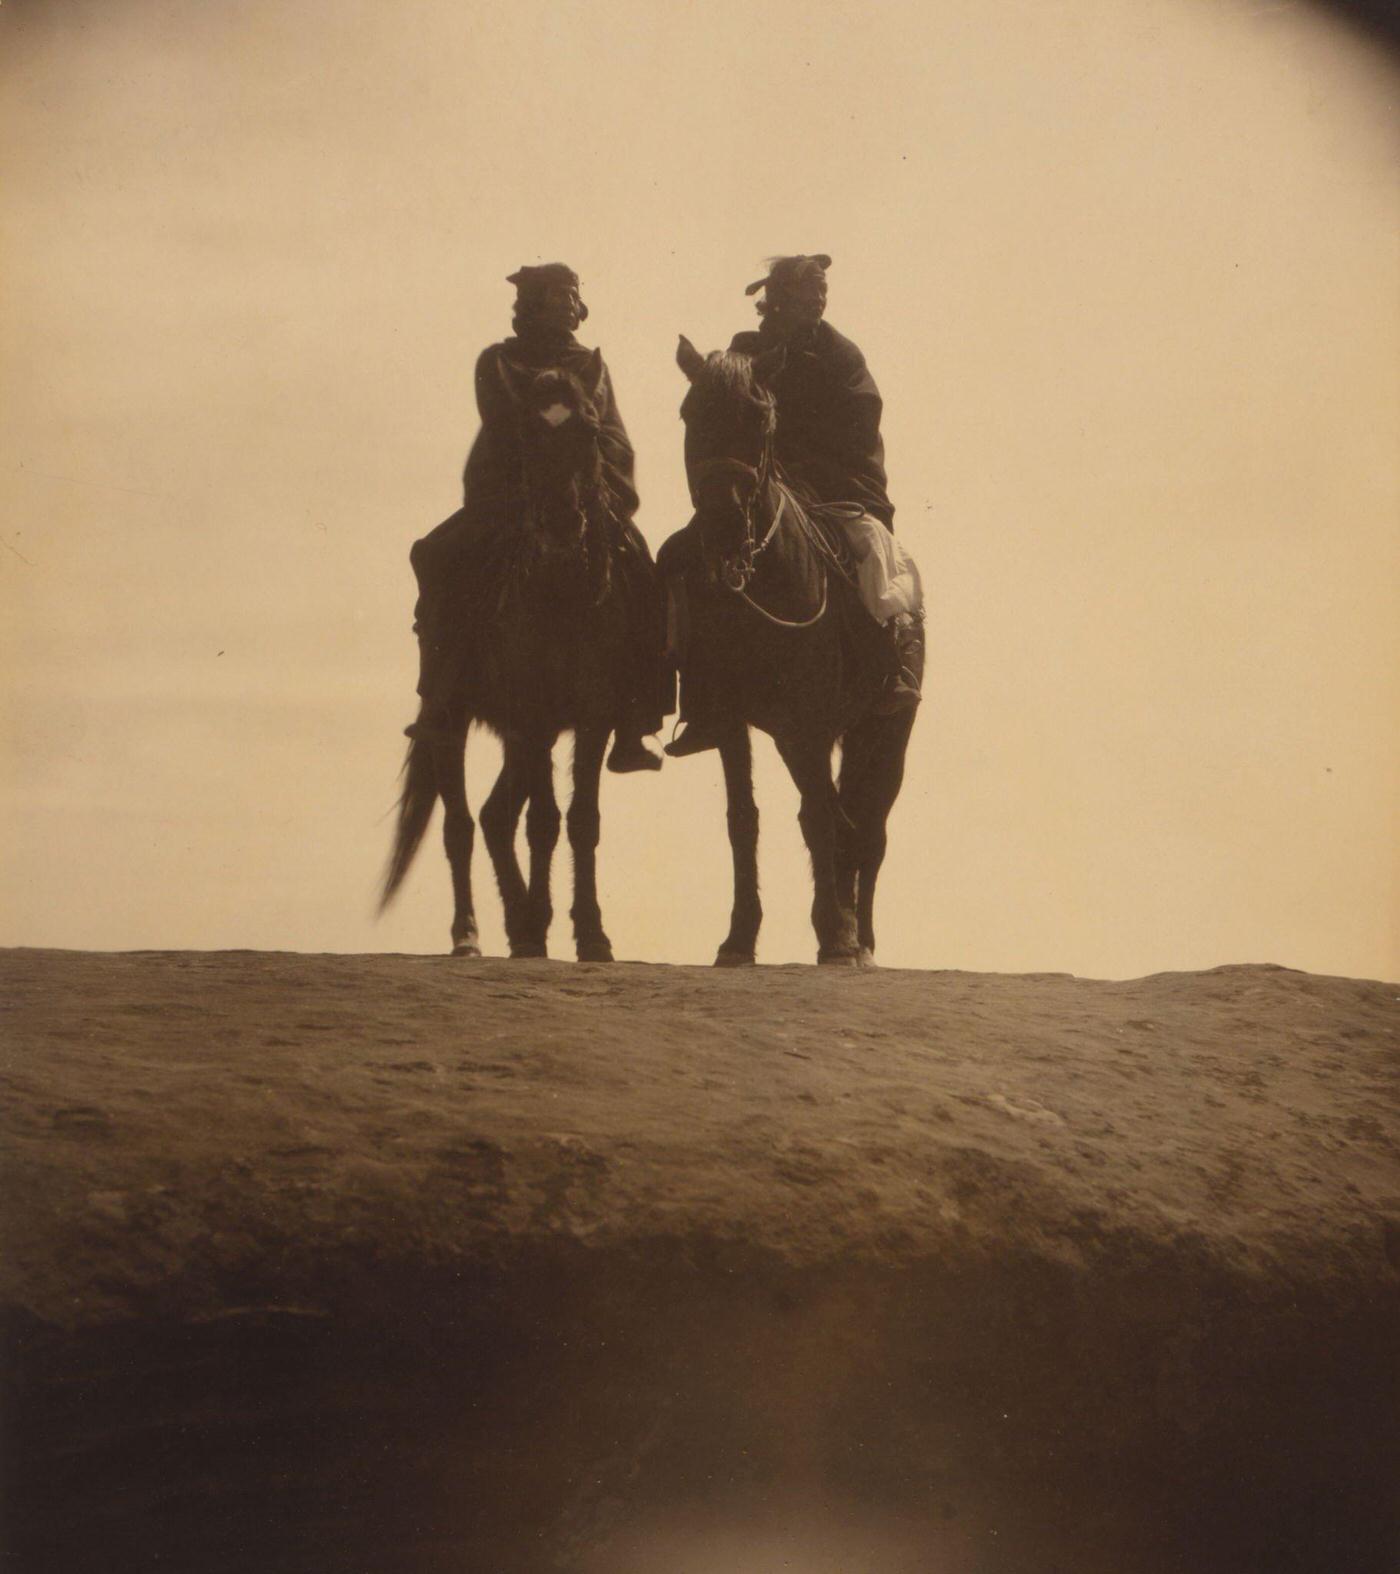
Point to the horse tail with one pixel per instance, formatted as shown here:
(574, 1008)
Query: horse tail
(416, 801)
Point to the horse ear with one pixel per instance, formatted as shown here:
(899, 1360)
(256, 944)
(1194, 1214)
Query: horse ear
(689, 359)
(767, 365)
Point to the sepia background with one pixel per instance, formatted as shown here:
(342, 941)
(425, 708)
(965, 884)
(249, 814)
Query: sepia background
(1127, 272)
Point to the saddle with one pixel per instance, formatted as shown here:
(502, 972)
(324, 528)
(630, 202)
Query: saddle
(866, 642)
(829, 524)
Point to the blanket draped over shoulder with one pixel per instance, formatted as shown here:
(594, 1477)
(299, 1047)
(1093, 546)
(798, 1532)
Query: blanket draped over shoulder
(828, 438)
(456, 557)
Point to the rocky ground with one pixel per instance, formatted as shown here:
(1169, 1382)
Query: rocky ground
(385, 1263)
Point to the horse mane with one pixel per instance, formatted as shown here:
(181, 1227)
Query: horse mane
(728, 376)
(542, 382)
(512, 559)
(555, 384)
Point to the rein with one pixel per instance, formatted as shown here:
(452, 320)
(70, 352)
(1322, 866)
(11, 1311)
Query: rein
(738, 569)
(788, 623)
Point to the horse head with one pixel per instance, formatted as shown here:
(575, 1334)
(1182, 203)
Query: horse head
(560, 428)
(558, 418)
(730, 416)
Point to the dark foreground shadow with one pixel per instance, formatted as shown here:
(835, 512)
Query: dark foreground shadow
(684, 1408)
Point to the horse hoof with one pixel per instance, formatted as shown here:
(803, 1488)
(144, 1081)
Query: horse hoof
(466, 948)
(735, 959)
(842, 959)
(595, 951)
(528, 950)
(866, 957)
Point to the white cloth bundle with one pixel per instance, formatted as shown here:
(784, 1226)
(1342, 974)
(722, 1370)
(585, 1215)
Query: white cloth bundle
(888, 576)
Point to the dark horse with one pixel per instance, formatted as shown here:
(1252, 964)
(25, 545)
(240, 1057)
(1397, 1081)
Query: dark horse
(776, 639)
(552, 636)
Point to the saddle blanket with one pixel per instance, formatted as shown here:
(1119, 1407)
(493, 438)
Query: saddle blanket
(888, 577)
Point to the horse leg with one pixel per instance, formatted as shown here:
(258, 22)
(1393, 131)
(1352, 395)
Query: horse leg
(583, 820)
(868, 795)
(747, 913)
(809, 763)
(847, 855)
(542, 835)
(458, 839)
(500, 815)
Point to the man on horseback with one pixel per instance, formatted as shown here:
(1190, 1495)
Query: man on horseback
(452, 561)
(829, 446)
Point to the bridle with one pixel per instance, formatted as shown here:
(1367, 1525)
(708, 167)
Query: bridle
(581, 497)
(737, 567)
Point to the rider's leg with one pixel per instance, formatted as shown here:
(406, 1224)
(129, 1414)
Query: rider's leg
(892, 593)
(442, 620)
(642, 712)
(433, 723)
(904, 690)
(679, 558)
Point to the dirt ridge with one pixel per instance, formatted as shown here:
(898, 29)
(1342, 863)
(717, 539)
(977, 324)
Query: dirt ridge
(584, 1246)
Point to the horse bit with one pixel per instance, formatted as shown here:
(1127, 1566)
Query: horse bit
(737, 568)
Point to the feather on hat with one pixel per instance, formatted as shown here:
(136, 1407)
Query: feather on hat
(787, 270)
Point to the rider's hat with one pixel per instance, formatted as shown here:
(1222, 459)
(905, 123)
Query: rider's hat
(788, 270)
(532, 281)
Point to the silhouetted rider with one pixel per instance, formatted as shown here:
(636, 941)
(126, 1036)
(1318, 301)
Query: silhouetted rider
(451, 560)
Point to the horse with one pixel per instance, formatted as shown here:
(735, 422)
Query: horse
(551, 635)
(775, 633)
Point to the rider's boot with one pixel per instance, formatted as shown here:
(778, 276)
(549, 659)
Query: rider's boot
(698, 730)
(630, 750)
(694, 738)
(904, 689)
(698, 733)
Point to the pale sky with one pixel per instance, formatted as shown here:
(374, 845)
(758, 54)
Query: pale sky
(1127, 272)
